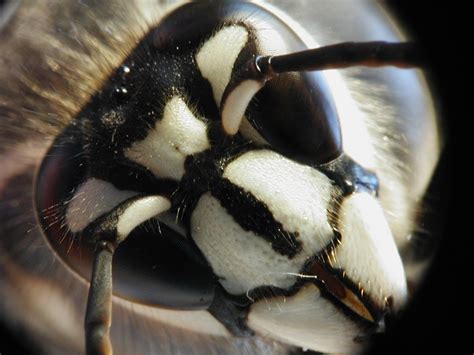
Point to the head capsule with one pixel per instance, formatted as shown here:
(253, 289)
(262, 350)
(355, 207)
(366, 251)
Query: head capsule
(197, 136)
(86, 161)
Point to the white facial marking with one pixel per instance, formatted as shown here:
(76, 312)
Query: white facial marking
(177, 135)
(306, 320)
(217, 56)
(242, 259)
(92, 199)
(139, 212)
(296, 195)
(368, 253)
(236, 104)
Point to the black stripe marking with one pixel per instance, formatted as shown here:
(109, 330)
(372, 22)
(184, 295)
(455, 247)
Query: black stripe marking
(255, 216)
(204, 173)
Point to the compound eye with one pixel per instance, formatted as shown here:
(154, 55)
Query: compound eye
(154, 265)
(293, 111)
(296, 115)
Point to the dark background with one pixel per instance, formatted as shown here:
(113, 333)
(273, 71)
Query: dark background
(435, 318)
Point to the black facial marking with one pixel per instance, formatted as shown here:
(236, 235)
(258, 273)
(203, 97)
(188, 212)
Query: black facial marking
(204, 173)
(253, 215)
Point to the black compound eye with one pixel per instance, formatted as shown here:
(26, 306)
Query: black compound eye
(295, 113)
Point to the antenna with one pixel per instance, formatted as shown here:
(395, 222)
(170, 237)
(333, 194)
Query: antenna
(340, 56)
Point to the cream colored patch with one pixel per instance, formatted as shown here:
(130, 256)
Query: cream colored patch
(368, 253)
(236, 104)
(177, 135)
(217, 56)
(240, 258)
(92, 199)
(139, 212)
(306, 320)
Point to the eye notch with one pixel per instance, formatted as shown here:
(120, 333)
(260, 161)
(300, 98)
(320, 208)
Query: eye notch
(253, 77)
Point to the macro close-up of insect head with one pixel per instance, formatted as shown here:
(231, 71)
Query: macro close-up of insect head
(214, 177)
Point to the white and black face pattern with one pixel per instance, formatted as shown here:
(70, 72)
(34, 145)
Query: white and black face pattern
(243, 207)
